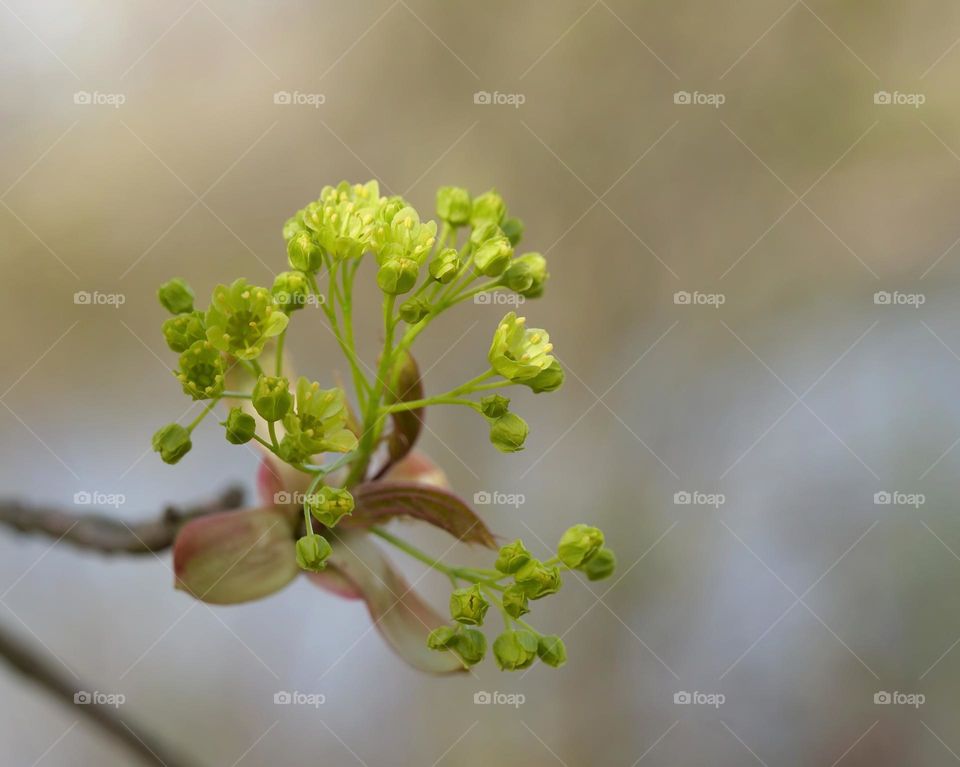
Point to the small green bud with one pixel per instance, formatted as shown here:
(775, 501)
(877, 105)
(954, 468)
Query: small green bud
(240, 426)
(515, 650)
(303, 253)
(413, 310)
(445, 265)
(485, 231)
(494, 405)
(489, 206)
(527, 275)
(493, 257)
(470, 645)
(397, 275)
(441, 637)
(552, 651)
(467, 606)
(272, 398)
(513, 228)
(578, 544)
(512, 557)
(172, 442)
(508, 433)
(453, 205)
(547, 380)
(291, 290)
(176, 296)
(183, 331)
(201, 371)
(515, 601)
(601, 565)
(537, 580)
(329, 505)
(312, 552)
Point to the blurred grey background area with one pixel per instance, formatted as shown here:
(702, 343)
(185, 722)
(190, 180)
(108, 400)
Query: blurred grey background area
(750, 212)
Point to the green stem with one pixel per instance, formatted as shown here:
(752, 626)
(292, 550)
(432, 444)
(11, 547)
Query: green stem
(196, 421)
(279, 352)
(486, 578)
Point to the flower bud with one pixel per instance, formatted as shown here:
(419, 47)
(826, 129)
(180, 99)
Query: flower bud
(485, 231)
(445, 265)
(513, 228)
(515, 601)
(453, 205)
(508, 433)
(329, 505)
(291, 290)
(552, 651)
(578, 544)
(397, 275)
(240, 426)
(201, 371)
(512, 557)
(515, 650)
(303, 253)
(272, 398)
(176, 296)
(413, 310)
(547, 380)
(537, 580)
(526, 275)
(470, 645)
(312, 552)
(489, 206)
(183, 331)
(172, 442)
(441, 637)
(494, 405)
(493, 257)
(517, 352)
(467, 606)
(601, 565)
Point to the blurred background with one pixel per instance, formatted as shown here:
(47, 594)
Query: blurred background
(750, 214)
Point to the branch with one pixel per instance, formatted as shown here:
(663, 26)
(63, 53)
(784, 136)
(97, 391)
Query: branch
(107, 534)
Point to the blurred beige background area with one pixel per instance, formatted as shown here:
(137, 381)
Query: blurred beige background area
(779, 163)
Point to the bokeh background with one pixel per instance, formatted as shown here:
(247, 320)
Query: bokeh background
(795, 200)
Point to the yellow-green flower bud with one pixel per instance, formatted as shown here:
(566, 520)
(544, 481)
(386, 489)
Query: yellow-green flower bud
(515, 650)
(453, 205)
(527, 275)
(515, 601)
(552, 651)
(519, 353)
(601, 565)
(547, 380)
(512, 557)
(537, 580)
(292, 226)
(184, 330)
(578, 544)
(413, 310)
(303, 253)
(176, 297)
(467, 606)
(494, 405)
(240, 426)
(312, 552)
(291, 290)
(329, 505)
(470, 645)
(489, 206)
(201, 371)
(445, 265)
(397, 275)
(485, 231)
(172, 442)
(513, 228)
(493, 257)
(272, 398)
(441, 637)
(508, 433)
